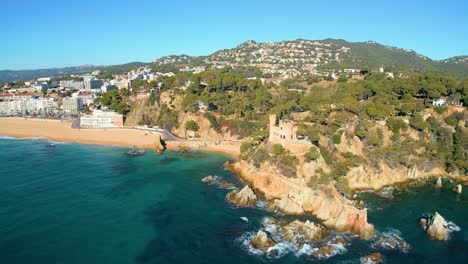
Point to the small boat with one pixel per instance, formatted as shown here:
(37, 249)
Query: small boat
(136, 152)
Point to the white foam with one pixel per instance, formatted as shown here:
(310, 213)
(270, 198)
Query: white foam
(261, 204)
(7, 137)
(281, 249)
(245, 219)
(306, 249)
(452, 227)
(394, 236)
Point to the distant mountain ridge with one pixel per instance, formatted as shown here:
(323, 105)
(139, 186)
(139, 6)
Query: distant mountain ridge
(286, 59)
(24, 75)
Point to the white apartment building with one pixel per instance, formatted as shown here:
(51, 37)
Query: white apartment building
(101, 119)
(24, 104)
(72, 104)
(76, 85)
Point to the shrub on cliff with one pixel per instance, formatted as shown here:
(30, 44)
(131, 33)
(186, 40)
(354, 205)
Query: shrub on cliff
(343, 186)
(213, 123)
(336, 138)
(246, 150)
(277, 150)
(441, 109)
(312, 154)
(453, 119)
(260, 156)
(287, 165)
(417, 122)
(396, 124)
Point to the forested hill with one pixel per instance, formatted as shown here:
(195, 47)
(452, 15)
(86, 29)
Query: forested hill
(303, 57)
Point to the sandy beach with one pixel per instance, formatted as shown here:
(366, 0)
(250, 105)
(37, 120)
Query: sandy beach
(56, 130)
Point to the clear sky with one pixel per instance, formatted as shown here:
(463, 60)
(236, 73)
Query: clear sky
(56, 33)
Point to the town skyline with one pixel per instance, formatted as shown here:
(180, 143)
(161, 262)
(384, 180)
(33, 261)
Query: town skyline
(120, 33)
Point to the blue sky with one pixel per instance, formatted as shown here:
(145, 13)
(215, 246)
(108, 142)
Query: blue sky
(53, 33)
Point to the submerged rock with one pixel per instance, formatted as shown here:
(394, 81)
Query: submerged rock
(391, 241)
(245, 197)
(263, 241)
(227, 185)
(372, 258)
(435, 226)
(210, 178)
(458, 189)
(325, 252)
(439, 183)
(216, 180)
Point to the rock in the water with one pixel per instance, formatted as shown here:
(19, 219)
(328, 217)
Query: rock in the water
(439, 183)
(423, 222)
(458, 189)
(159, 145)
(310, 231)
(436, 227)
(227, 185)
(210, 178)
(391, 241)
(372, 258)
(340, 240)
(325, 252)
(263, 241)
(245, 197)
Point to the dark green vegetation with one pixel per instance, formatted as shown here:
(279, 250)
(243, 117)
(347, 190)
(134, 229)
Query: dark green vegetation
(393, 119)
(115, 99)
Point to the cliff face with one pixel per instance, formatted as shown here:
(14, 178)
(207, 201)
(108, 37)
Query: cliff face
(292, 196)
(365, 177)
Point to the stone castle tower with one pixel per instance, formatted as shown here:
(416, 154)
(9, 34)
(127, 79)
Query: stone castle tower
(281, 131)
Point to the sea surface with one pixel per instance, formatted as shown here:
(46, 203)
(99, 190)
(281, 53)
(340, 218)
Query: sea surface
(72, 203)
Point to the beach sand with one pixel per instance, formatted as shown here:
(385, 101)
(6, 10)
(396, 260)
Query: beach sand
(56, 130)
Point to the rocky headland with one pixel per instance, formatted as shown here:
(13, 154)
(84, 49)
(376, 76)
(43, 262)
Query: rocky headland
(295, 198)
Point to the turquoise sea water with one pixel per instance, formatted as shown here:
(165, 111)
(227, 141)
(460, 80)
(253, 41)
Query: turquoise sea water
(74, 203)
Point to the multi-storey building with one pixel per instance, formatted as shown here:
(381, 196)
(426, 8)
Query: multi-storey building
(72, 104)
(101, 119)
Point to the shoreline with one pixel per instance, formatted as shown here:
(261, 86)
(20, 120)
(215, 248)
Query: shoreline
(61, 131)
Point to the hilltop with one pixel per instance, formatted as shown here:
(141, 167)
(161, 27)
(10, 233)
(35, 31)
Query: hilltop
(302, 57)
(291, 58)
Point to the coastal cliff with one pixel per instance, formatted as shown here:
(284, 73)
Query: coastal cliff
(294, 197)
(365, 177)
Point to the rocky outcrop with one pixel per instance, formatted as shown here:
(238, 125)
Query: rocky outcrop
(391, 241)
(372, 258)
(366, 177)
(287, 195)
(245, 197)
(458, 189)
(159, 145)
(439, 183)
(263, 241)
(310, 231)
(218, 181)
(435, 226)
(286, 205)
